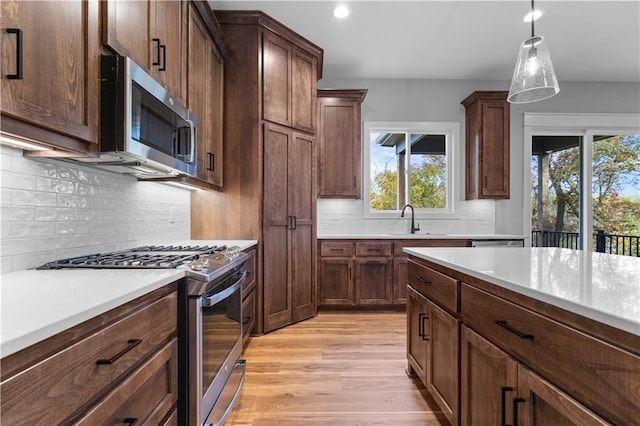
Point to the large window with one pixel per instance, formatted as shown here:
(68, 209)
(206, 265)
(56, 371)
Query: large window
(585, 186)
(409, 163)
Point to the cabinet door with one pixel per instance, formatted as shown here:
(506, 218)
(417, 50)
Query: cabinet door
(541, 403)
(339, 148)
(276, 224)
(59, 86)
(417, 333)
(336, 281)
(494, 150)
(488, 382)
(443, 360)
(301, 201)
(126, 29)
(276, 79)
(167, 37)
(205, 99)
(304, 89)
(373, 281)
(400, 279)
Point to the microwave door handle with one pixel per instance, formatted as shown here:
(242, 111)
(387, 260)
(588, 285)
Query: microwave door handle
(208, 301)
(192, 141)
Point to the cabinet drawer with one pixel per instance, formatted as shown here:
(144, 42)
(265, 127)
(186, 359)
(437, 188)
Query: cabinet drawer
(370, 248)
(147, 395)
(595, 373)
(398, 246)
(248, 315)
(436, 286)
(336, 248)
(53, 389)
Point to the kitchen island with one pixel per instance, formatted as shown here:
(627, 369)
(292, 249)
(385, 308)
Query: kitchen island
(543, 334)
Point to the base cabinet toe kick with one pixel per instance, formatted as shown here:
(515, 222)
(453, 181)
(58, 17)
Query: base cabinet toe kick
(495, 358)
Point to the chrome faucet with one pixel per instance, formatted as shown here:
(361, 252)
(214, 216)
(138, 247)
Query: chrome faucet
(414, 228)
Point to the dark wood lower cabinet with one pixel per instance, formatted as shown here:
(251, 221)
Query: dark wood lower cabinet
(489, 381)
(374, 281)
(544, 404)
(480, 372)
(60, 381)
(443, 360)
(417, 317)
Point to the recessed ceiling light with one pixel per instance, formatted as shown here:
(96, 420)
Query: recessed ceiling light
(532, 16)
(341, 11)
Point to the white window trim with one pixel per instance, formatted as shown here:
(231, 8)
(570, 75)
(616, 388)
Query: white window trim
(450, 129)
(585, 125)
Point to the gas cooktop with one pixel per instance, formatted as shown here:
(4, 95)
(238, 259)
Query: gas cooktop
(150, 257)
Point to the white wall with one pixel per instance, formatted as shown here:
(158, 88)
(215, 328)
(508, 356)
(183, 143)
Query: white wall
(439, 100)
(53, 209)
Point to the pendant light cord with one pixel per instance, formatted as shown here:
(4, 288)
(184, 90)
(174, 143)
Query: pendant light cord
(532, 20)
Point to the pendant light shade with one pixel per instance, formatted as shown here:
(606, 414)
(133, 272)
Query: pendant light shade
(533, 78)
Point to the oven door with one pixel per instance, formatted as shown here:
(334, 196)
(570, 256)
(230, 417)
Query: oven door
(216, 327)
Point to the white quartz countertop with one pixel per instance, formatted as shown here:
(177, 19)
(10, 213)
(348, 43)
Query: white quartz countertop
(37, 304)
(602, 287)
(419, 235)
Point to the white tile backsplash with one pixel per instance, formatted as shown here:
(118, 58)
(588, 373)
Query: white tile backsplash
(337, 216)
(52, 209)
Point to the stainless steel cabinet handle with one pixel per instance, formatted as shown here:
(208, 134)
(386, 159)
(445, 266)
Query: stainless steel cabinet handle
(131, 343)
(208, 301)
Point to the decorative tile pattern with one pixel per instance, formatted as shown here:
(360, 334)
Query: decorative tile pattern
(53, 209)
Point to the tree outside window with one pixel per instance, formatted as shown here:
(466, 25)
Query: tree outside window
(410, 165)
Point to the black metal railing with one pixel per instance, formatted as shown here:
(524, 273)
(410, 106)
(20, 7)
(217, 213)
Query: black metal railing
(627, 245)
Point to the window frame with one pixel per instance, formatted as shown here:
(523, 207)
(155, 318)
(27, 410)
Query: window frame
(586, 125)
(451, 130)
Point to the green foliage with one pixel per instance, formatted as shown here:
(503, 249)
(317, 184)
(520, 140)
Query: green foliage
(616, 165)
(428, 185)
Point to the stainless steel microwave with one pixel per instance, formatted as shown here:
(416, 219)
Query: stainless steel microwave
(144, 129)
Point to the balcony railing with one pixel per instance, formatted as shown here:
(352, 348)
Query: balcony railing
(627, 245)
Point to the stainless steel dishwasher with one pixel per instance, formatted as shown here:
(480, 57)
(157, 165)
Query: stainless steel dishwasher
(498, 243)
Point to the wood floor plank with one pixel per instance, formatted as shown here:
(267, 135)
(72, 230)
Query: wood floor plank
(338, 368)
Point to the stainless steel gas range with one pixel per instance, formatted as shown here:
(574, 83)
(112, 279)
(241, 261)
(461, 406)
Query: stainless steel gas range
(210, 369)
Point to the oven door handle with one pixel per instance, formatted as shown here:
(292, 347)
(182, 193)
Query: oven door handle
(208, 301)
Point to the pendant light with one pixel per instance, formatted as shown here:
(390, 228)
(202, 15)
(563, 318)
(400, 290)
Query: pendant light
(533, 78)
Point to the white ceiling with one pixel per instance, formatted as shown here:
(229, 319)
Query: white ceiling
(452, 39)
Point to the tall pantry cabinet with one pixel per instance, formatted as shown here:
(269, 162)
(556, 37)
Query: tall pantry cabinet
(271, 76)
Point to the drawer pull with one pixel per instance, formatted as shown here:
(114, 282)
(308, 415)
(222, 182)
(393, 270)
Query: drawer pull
(336, 249)
(518, 333)
(130, 421)
(423, 279)
(131, 343)
(373, 249)
(503, 414)
(516, 401)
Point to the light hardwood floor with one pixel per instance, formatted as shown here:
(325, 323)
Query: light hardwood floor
(345, 369)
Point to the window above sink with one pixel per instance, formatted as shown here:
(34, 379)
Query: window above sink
(409, 163)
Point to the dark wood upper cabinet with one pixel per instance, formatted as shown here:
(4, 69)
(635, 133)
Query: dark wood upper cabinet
(152, 33)
(487, 145)
(289, 84)
(50, 72)
(339, 143)
(205, 96)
